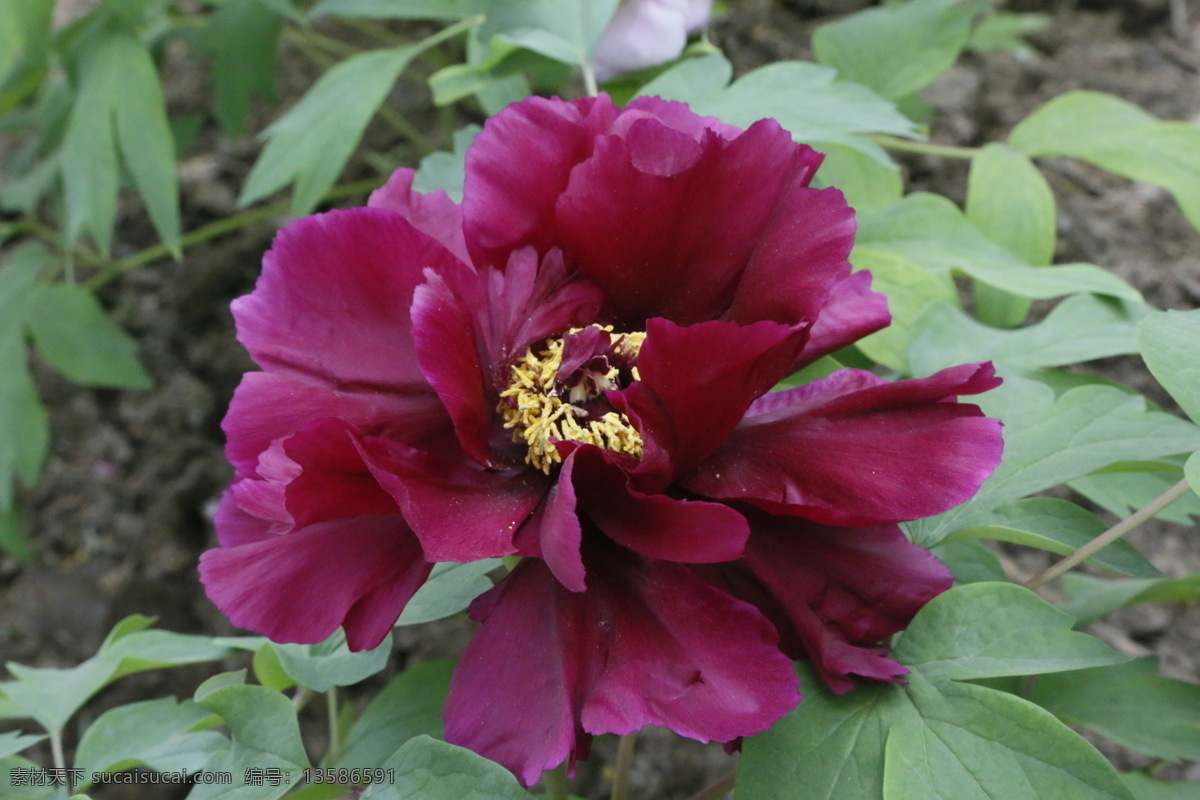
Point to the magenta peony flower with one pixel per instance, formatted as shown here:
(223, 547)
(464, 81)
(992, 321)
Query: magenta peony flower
(643, 33)
(574, 366)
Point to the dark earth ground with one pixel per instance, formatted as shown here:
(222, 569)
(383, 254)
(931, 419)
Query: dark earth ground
(123, 508)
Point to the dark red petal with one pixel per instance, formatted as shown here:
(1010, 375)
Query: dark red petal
(236, 526)
(697, 382)
(669, 226)
(554, 534)
(458, 511)
(434, 214)
(675, 115)
(852, 449)
(834, 594)
(648, 643)
(267, 407)
(851, 312)
(332, 302)
(301, 586)
(334, 482)
(654, 525)
(470, 328)
(509, 196)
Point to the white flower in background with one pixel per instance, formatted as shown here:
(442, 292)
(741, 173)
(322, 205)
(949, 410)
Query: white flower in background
(647, 32)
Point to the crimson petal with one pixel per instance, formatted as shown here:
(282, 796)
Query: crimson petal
(851, 312)
(459, 511)
(434, 214)
(853, 449)
(648, 643)
(332, 301)
(300, 587)
(834, 594)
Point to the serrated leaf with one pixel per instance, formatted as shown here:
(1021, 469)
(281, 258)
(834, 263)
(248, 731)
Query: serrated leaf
(411, 705)
(451, 588)
(1057, 526)
(446, 171)
(1009, 200)
(564, 30)
(1168, 342)
(71, 331)
(399, 9)
(244, 38)
(1119, 137)
(1090, 598)
(159, 734)
(934, 736)
(1080, 328)
(330, 663)
(265, 735)
(427, 769)
(312, 142)
(1049, 441)
(897, 49)
(1130, 704)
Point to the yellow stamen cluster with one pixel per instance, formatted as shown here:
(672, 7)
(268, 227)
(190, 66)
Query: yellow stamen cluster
(531, 405)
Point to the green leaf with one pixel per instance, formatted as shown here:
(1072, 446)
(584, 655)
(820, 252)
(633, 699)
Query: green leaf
(75, 336)
(330, 663)
(24, 34)
(899, 48)
(864, 181)
(120, 103)
(1168, 342)
(994, 630)
(1050, 440)
(808, 101)
(564, 30)
(12, 742)
(1191, 471)
(451, 588)
(24, 429)
(970, 561)
(11, 788)
(427, 769)
(1119, 137)
(446, 171)
(1058, 526)
(265, 736)
(243, 36)
(1089, 598)
(1145, 787)
(268, 669)
(1080, 328)
(910, 290)
(1130, 704)
(411, 705)
(159, 734)
(52, 696)
(399, 9)
(312, 142)
(935, 737)
(692, 79)
(1122, 492)
(12, 535)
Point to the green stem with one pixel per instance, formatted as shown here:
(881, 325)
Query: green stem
(718, 789)
(1111, 535)
(335, 737)
(620, 784)
(925, 148)
(589, 80)
(555, 782)
(220, 228)
(375, 31)
(56, 749)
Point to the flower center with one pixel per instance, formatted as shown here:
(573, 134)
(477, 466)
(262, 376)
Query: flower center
(557, 394)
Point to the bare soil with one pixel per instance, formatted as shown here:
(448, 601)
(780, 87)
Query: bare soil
(124, 506)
